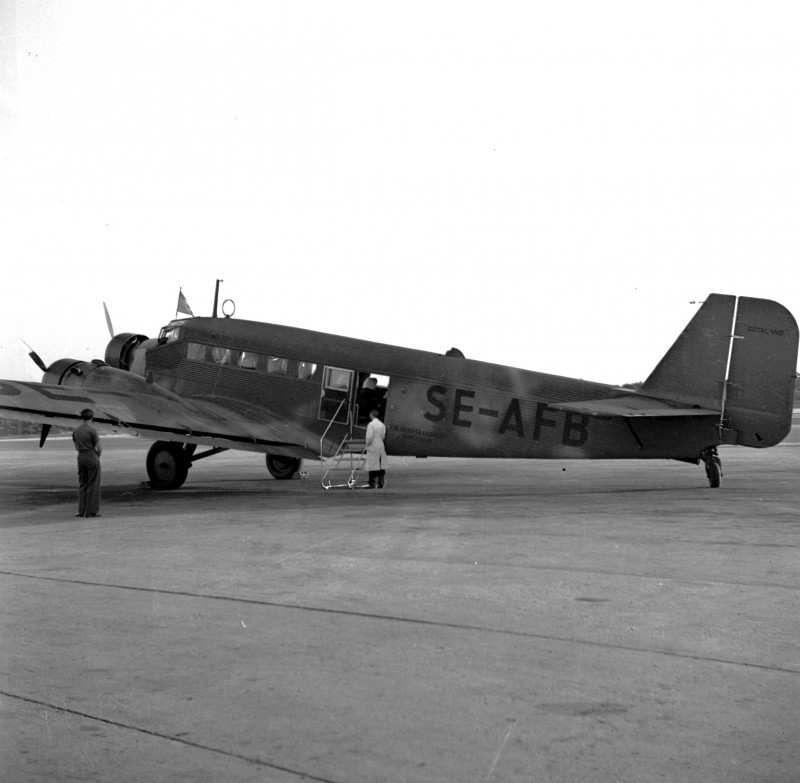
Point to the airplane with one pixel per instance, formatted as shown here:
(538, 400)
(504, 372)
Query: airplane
(294, 394)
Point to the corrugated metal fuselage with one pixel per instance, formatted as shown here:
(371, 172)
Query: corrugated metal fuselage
(435, 405)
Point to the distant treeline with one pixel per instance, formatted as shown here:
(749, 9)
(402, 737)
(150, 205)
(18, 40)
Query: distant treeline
(24, 429)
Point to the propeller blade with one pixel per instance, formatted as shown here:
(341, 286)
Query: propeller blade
(45, 433)
(108, 320)
(36, 358)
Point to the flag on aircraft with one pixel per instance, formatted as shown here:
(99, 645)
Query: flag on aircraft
(183, 305)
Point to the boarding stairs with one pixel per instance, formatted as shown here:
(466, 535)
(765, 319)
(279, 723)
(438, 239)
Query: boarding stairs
(346, 464)
(343, 468)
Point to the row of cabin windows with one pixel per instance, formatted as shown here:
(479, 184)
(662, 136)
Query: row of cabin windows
(248, 360)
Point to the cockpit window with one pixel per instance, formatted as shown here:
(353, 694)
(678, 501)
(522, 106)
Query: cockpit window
(169, 334)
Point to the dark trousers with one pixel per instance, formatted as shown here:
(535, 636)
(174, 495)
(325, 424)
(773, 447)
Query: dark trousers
(88, 483)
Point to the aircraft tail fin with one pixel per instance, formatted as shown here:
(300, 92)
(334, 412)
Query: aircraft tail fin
(739, 356)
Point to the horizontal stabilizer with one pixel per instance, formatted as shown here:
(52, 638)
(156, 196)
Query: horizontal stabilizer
(630, 406)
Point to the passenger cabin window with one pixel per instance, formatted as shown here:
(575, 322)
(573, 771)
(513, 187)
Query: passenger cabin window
(249, 360)
(196, 352)
(306, 370)
(221, 355)
(337, 379)
(277, 366)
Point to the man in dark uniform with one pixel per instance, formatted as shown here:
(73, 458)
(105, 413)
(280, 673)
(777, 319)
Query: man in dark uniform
(87, 444)
(369, 398)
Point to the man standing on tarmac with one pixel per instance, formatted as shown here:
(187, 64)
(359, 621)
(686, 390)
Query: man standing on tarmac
(87, 444)
(376, 451)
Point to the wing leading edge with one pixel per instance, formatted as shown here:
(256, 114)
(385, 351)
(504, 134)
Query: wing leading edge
(156, 413)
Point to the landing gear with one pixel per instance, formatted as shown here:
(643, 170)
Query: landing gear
(168, 464)
(713, 466)
(283, 468)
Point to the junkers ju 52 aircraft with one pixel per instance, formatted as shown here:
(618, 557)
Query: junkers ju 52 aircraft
(293, 394)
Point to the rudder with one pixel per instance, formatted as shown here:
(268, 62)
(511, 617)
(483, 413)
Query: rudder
(738, 357)
(762, 372)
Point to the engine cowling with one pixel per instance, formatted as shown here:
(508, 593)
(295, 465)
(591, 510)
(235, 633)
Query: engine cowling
(69, 372)
(98, 376)
(120, 351)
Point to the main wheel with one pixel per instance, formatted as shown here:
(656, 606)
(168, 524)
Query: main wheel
(283, 468)
(167, 465)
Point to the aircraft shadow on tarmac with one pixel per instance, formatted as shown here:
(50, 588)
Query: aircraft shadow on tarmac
(121, 499)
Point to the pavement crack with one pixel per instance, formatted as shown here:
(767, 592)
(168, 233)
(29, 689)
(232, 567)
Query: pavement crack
(179, 738)
(409, 620)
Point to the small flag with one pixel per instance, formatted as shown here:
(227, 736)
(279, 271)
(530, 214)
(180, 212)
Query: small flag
(183, 305)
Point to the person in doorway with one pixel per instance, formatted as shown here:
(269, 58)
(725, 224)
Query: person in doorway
(368, 399)
(376, 451)
(87, 444)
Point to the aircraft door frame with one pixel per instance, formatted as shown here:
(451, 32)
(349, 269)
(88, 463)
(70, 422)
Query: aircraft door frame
(336, 387)
(379, 398)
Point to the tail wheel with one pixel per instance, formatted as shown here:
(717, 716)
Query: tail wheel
(713, 467)
(714, 473)
(283, 468)
(167, 465)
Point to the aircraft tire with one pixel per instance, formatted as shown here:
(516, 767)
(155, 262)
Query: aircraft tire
(714, 473)
(283, 468)
(167, 465)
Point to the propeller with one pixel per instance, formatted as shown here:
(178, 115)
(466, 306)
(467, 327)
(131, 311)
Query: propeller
(37, 360)
(108, 320)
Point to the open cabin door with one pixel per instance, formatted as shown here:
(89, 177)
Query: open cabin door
(348, 396)
(336, 399)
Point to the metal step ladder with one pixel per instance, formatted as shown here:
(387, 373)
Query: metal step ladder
(346, 463)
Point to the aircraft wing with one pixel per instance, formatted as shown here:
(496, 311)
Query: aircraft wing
(152, 412)
(630, 406)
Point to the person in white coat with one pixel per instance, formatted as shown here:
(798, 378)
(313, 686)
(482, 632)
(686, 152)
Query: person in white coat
(376, 451)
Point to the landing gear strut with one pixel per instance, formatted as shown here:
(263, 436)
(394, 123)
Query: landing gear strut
(713, 466)
(168, 462)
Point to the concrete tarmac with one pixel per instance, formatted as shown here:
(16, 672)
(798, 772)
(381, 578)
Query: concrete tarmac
(477, 621)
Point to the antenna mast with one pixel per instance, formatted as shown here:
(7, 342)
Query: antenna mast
(216, 297)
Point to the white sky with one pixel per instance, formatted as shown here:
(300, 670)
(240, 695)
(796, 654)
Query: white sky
(542, 184)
